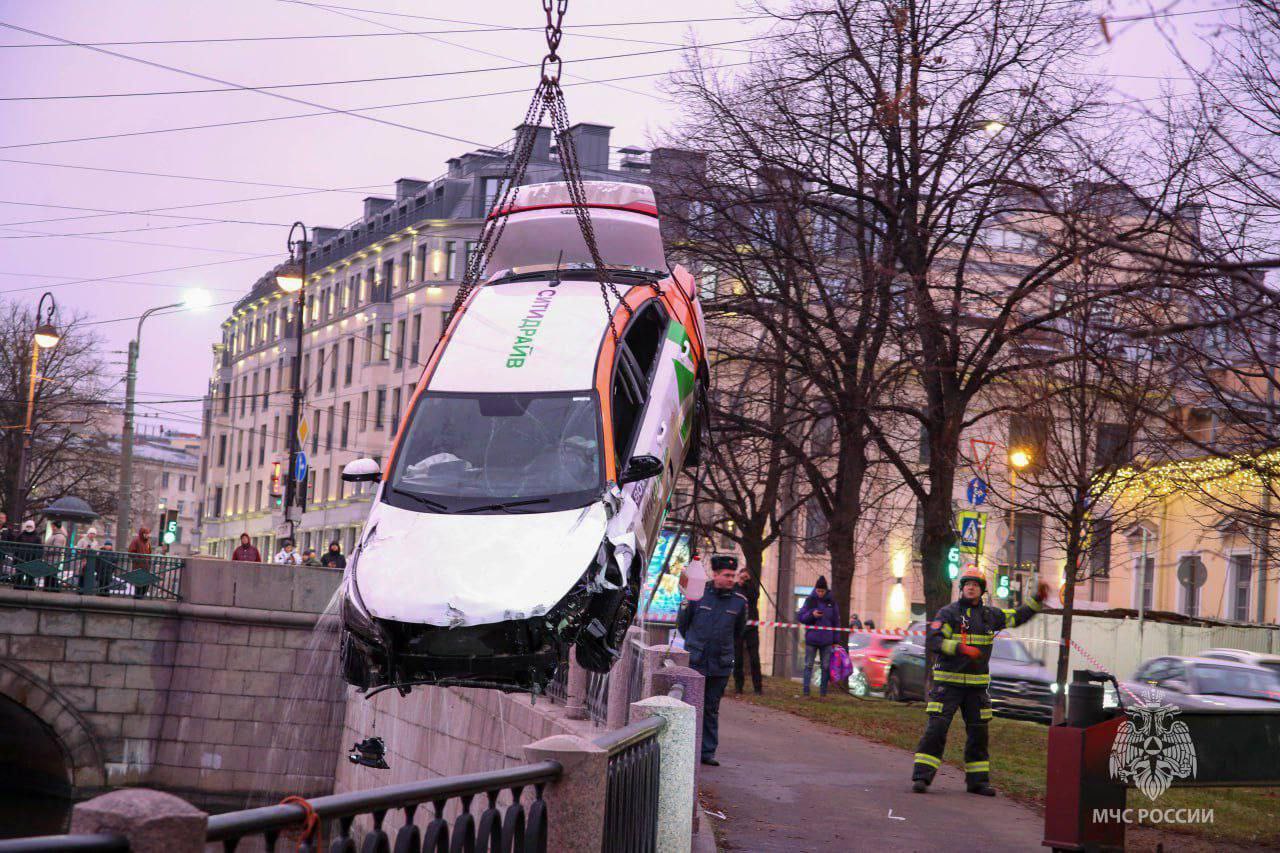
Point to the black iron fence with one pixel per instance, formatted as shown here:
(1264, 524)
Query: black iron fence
(631, 793)
(89, 571)
(517, 827)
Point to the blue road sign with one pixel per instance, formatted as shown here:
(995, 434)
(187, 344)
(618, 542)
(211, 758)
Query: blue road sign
(977, 491)
(300, 467)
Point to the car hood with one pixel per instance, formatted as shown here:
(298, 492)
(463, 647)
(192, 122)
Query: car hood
(453, 570)
(1002, 668)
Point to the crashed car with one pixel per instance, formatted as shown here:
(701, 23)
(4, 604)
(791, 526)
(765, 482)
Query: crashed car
(527, 485)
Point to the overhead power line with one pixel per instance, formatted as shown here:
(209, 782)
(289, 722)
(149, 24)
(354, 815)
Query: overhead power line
(270, 88)
(358, 190)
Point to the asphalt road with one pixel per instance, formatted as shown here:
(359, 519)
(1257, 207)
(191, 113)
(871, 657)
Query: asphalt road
(787, 784)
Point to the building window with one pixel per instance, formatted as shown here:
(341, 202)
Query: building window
(324, 487)
(1241, 580)
(262, 445)
(405, 272)
(164, 480)
(471, 250)
(450, 259)
(395, 409)
(266, 388)
(217, 501)
(402, 331)
(388, 279)
(351, 361)
(333, 366)
(226, 398)
(306, 370)
(328, 432)
(815, 528)
(253, 400)
(315, 433)
(257, 496)
(369, 343)
(422, 262)
(346, 424)
(415, 344)
(275, 433)
(491, 190)
(1114, 447)
(1029, 433)
(349, 295)
(182, 482)
(248, 457)
(379, 407)
(319, 371)
(384, 342)
(364, 411)
(1026, 543)
(235, 501)
(222, 450)
(1144, 580)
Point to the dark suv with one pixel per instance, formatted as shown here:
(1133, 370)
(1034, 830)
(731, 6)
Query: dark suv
(1021, 686)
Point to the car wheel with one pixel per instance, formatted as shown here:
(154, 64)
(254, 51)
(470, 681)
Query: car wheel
(858, 683)
(893, 688)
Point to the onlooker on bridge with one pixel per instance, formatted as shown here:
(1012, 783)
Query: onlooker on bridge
(247, 552)
(821, 614)
(286, 556)
(30, 550)
(712, 627)
(6, 532)
(309, 557)
(57, 538)
(95, 574)
(141, 546)
(333, 557)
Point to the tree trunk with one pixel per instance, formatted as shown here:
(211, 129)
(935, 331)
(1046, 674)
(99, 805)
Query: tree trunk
(1064, 649)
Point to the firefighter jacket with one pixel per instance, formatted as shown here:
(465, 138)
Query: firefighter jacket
(962, 623)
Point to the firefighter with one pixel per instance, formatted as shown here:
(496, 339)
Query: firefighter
(960, 638)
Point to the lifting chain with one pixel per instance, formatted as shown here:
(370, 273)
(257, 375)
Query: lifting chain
(548, 100)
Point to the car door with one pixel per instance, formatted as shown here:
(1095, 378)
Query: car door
(644, 410)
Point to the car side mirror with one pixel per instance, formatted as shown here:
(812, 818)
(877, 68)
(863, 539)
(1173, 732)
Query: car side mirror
(640, 468)
(362, 471)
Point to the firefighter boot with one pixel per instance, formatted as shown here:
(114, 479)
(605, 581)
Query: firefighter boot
(982, 789)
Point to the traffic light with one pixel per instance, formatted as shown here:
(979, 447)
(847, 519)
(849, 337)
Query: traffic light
(1002, 582)
(953, 562)
(170, 532)
(277, 488)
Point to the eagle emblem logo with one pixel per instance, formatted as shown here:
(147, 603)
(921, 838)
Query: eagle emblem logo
(1152, 747)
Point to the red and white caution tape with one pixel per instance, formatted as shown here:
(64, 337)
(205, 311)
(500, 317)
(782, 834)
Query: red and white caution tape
(897, 632)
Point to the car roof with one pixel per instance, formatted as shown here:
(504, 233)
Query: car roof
(1234, 664)
(526, 336)
(1243, 653)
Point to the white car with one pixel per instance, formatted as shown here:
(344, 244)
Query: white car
(525, 490)
(1271, 662)
(1207, 683)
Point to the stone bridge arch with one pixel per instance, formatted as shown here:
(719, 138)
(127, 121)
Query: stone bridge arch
(82, 753)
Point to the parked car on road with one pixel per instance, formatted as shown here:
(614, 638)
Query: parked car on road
(1200, 682)
(1021, 686)
(1266, 661)
(870, 653)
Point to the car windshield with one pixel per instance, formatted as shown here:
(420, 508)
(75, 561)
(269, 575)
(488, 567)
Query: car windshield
(498, 453)
(1236, 681)
(1006, 649)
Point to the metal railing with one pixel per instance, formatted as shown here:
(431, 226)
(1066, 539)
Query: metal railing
(517, 828)
(67, 844)
(89, 571)
(631, 793)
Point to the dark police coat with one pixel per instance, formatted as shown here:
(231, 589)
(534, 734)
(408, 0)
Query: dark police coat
(711, 627)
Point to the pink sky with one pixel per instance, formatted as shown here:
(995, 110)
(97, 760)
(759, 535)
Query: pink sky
(344, 157)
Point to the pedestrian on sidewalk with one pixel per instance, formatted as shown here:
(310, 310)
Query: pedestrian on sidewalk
(960, 637)
(247, 552)
(747, 652)
(821, 614)
(711, 627)
(333, 557)
(29, 551)
(286, 556)
(855, 623)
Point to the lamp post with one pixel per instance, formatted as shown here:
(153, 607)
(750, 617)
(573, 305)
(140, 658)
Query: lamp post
(45, 336)
(1019, 458)
(292, 278)
(124, 506)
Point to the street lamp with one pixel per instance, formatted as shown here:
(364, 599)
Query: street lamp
(292, 278)
(195, 300)
(45, 336)
(1019, 459)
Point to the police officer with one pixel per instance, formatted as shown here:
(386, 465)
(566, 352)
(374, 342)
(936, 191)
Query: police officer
(960, 637)
(712, 626)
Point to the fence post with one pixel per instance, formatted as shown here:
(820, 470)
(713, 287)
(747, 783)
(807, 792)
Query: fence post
(153, 821)
(575, 705)
(653, 659)
(694, 684)
(679, 761)
(575, 801)
(620, 680)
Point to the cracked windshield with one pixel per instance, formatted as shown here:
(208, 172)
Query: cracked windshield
(498, 451)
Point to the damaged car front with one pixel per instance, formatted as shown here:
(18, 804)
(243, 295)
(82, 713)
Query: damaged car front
(492, 546)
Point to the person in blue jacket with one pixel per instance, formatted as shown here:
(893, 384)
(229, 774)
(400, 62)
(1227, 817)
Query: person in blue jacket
(712, 626)
(820, 614)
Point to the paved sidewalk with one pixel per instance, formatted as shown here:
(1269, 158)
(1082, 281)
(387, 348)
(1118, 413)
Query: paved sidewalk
(787, 784)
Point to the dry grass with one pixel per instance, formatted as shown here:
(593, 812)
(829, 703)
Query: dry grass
(1249, 816)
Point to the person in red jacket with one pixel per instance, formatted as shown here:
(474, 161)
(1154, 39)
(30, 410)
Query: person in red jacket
(246, 553)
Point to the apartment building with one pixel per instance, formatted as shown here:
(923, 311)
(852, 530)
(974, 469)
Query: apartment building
(378, 296)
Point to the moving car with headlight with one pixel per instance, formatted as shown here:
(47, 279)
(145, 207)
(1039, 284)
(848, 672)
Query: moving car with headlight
(870, 652)
(525, 490)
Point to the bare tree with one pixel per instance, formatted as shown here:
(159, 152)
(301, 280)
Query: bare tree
(70, 451)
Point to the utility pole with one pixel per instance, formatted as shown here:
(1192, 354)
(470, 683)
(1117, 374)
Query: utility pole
(1264, 559)
(124, 504)
(293, 278)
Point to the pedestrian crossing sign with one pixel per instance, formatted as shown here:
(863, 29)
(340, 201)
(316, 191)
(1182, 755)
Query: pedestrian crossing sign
(972, 527)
